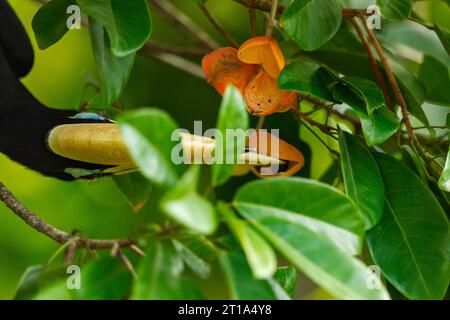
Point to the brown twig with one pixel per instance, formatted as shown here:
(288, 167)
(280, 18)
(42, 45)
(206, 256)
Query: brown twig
(322, 127)
(175, 61)
(266, 5)
(252, 18)
(184, 23)
(179, 51)
(273, 13)
(392, 80)
(374, 64)
(50, 231)
(217, 25)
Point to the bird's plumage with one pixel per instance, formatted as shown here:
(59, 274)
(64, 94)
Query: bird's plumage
(24, 122)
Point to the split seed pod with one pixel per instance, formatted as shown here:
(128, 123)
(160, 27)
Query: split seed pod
(290, 159)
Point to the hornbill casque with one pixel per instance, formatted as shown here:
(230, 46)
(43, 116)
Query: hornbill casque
(71, 145)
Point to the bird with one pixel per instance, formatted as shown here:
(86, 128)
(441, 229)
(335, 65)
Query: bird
(63, 144)
(71, 145)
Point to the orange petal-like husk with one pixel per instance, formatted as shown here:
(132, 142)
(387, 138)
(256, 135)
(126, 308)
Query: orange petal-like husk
(222, 67)
(270, 145)
(263, 51)
(263, 96)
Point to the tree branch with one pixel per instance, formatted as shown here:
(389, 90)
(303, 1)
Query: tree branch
(374, 64)
(266, 5)
(272, 17)
(184, 23)
(392, 80)
(217, 25)
(50, 231)
(174, 60)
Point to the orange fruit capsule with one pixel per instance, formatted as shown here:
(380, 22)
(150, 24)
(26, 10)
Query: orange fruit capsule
(263, 96)
(263, 51)
(222, 67)
(270, 145)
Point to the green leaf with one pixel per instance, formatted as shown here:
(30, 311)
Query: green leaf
(128, 23)
(29, 283)
(369, 92)
(201, 267)
(307, 77)
(395, 9)
(186, 206)
(379, 126)
(345, 54)
(135, 188)
(312, 219)
(413, 161)
(444, 180)
(287, 279)
(147, 134)
(113, 71)
(311, 23)
(160, 275)
(444, 36)
(260, 255)
(232, 115)
(411, 242)
(50, 22)
(435, 77)
(362, 179)
(241, 282)
(307, 203)
(104, 279)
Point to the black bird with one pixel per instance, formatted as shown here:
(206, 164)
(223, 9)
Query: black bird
(64, 144)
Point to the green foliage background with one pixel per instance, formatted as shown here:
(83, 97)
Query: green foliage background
(98, 209)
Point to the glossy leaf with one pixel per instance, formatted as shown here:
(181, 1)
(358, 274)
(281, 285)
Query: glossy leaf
(369, 91)
(259, 254)
(128, 23)
(50, 22)
(338, 220)
(135, 188)
(113, 71)
(313, 218)
(395, 9)
(435, 76)
(197, 264)
(305, 76)
(233, 116)
(183, 204)
(240, 280)
(311, 23)
(147, 134)
(287, 278)
(362, 179)
(160, 275)
(379, 126)
(444, 180)
(104, 279)
(29, 283)
(444, 36)
(411, 242)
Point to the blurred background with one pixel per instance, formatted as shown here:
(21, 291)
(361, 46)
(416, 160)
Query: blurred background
(97, 209)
